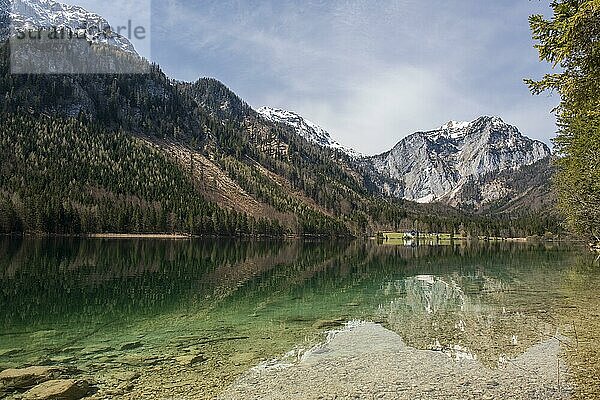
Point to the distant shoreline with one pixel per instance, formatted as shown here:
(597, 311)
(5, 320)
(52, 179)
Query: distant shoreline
(137, 236)
(395, 238)
(172, 236)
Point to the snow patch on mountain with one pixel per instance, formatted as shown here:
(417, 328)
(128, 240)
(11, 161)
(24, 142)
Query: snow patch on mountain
(305, 128)
(454, 125)
(451, 129)
(48, 14)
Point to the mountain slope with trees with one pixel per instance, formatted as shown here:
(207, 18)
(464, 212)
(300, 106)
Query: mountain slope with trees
(67, 176)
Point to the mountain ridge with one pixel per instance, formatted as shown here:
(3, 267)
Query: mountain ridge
(442, 157)
(430, 165)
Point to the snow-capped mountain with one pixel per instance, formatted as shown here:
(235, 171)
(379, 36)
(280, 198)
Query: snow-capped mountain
(435, 165)
(444, 164)
(305, 128)
(48, 14)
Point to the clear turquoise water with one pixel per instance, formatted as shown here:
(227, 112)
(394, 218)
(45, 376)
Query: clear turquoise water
(238, 303)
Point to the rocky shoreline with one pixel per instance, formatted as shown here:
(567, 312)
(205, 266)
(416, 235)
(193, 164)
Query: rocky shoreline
(44, 382)
(359, 360)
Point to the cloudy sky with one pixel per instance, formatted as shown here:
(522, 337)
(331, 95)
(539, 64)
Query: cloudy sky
(369, 71)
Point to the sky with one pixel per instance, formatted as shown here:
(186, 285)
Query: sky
(370, 72)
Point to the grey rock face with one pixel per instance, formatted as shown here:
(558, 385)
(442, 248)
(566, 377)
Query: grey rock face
(434, 165)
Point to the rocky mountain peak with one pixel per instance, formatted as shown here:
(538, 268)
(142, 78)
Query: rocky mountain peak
(461, 129)
(435, 165)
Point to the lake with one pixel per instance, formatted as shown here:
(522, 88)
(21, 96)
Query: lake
(188, 318)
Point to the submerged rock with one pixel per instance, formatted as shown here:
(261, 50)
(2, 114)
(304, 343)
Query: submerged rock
(24, 378)
(242, 358)
(190, 360)
(93, 350)
(43, 334)
(72, 349)
(331, 323)
(10, 352)
(127, 376)
(139, 360)
(131, 345)
(62, 359)
(64, 389)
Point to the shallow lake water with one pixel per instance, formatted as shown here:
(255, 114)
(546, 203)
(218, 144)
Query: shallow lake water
(186, 318)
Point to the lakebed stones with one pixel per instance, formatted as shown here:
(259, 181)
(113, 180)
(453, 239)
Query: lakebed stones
(23, 378)
(64, 389)
(366, 360)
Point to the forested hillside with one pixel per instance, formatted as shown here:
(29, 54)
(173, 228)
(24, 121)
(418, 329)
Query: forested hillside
(69, 176)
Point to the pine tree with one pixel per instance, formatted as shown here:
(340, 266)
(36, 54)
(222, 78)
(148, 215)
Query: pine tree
(570, 40)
